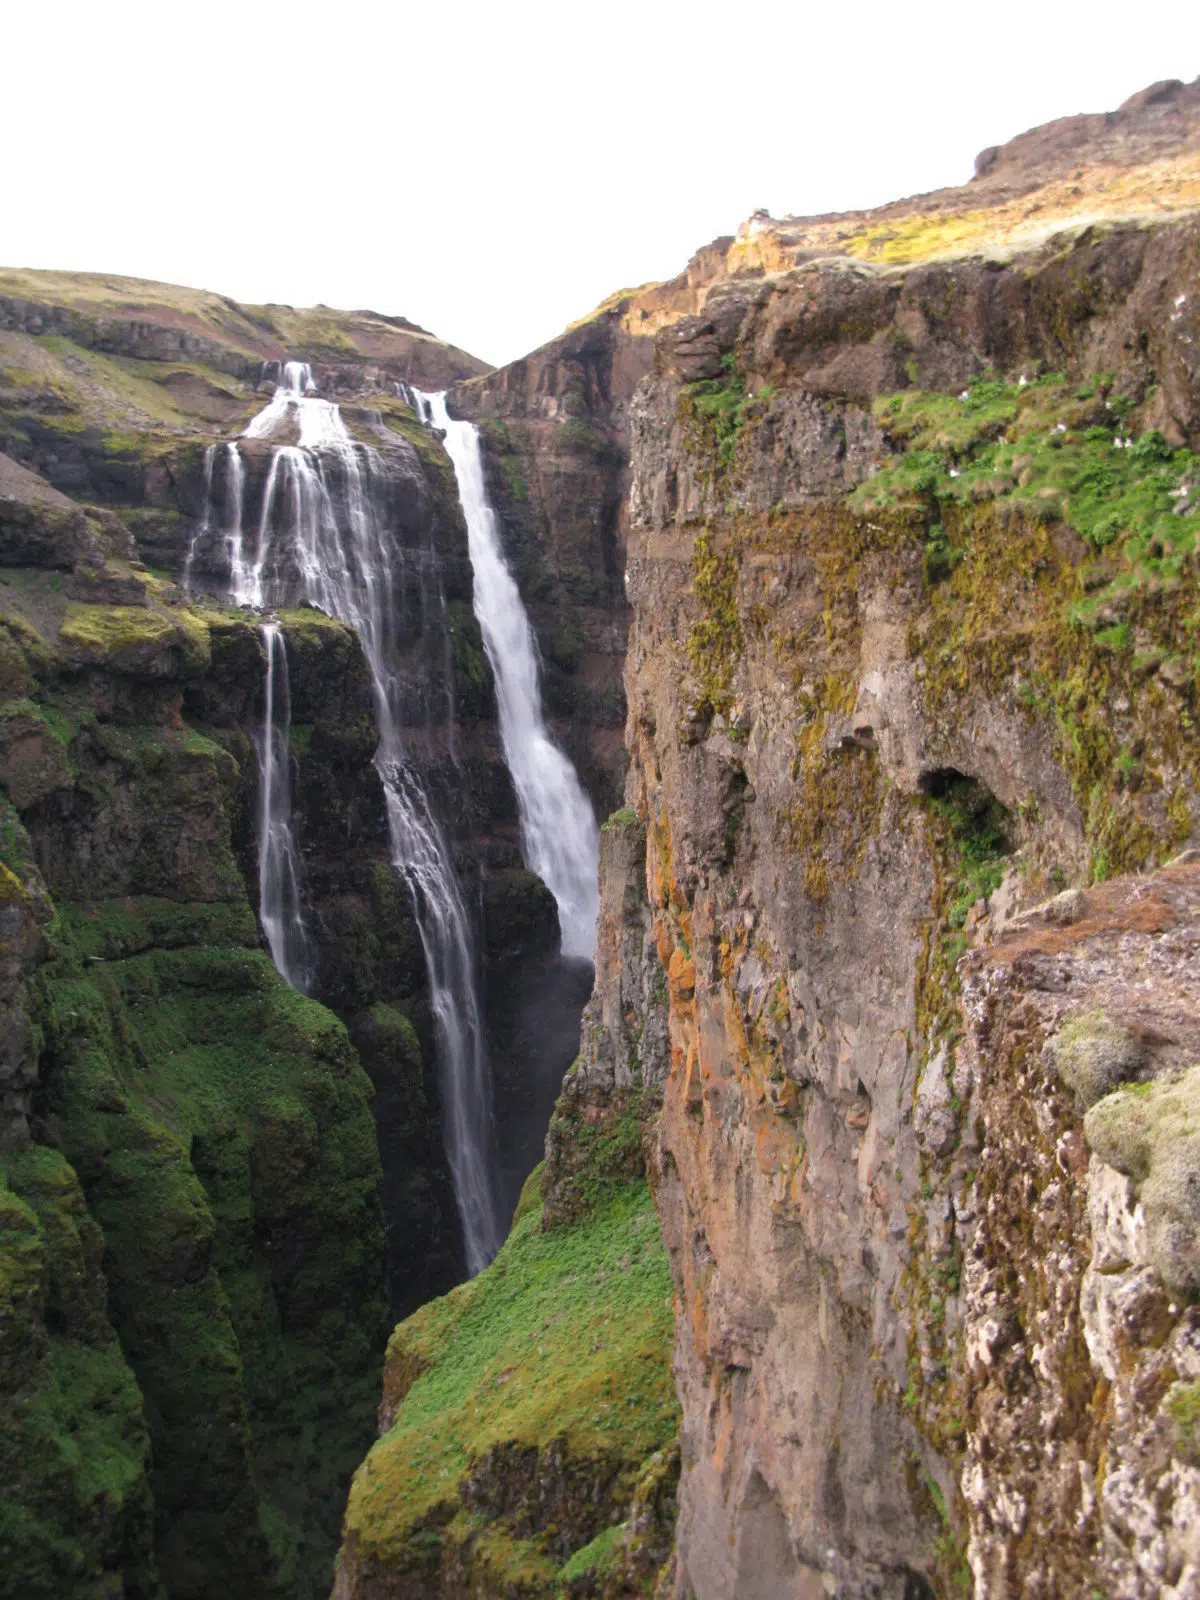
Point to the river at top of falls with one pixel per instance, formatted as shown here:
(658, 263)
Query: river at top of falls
(558, 826)
(320, 517)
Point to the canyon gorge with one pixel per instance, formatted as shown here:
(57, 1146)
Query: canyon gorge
(601, 957)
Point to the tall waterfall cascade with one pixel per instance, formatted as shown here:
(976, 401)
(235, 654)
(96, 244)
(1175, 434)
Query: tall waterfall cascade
(559, 835)
(278, 863)
(320, 516)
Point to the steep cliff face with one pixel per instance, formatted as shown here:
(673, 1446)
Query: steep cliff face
(913, 644)
(912, 574)
(193, 1251)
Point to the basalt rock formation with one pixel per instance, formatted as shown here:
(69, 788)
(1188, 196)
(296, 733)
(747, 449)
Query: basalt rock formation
(913, 576)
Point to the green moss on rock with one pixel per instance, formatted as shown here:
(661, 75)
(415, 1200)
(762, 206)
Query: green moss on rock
(551, 1365)
(76, 1515)
(1151, 1132)
(149, 641)
(220, 1123)
(1093, 1055)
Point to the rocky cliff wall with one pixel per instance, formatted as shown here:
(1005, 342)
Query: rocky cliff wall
(890, 679)
(911, 571)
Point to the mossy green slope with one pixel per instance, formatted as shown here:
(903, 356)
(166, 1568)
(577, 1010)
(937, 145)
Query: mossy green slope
(220, 1125)
(74, 1446)
(191, 1250)
(552, 1366)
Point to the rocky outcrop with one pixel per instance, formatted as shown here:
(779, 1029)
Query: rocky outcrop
(879, 693)
(528, 1424)
(1077, 1243)
(159, 322)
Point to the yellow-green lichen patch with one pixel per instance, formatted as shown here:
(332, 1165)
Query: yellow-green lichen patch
(563, 1343)
(715, 641)
(135, 638)
(1151, 1132)
(838, 785)
(1182, 1405)
(1093, 1055)
(309, 617)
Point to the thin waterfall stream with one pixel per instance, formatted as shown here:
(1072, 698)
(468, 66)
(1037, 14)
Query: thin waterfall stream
(559, 835)
(320, 517)
(279, 898)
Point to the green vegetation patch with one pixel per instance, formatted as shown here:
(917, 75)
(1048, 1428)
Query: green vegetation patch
(1151, 1132)
(117, 928)
(625, 817)
(596, 1558)
(719, 409)
(76, 1514)
(563, 1342)
(221, 1124)
(977, 830)
(1060, 452)
(134, 637)
(1034, 595)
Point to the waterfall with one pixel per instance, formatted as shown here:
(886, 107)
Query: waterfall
(232, 483)
(319, 518)
(210, 456)
(278, 865)
(559, 835)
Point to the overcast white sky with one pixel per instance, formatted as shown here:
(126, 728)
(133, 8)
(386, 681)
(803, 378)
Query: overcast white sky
(494, 170)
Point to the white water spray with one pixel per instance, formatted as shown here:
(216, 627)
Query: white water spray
(319, 517)
(278, 863)
(558, 827)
